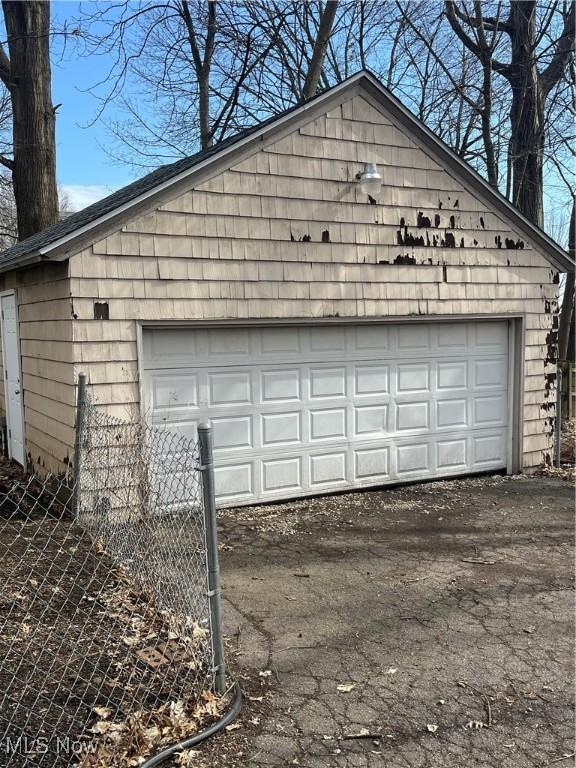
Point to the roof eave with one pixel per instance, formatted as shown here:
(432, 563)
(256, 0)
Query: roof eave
(29, 259)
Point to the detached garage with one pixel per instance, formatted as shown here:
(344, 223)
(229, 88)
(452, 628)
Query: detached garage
(347, 302)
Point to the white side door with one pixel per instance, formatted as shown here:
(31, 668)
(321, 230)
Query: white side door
(12, 377)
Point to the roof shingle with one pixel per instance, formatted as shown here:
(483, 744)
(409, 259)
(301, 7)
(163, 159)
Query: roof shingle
(122, 196)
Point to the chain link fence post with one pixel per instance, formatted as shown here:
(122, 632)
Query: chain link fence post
(79, 428)
(205, 441)
(558, 422)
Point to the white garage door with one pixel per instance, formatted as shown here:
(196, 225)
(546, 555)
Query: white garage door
(299, 410)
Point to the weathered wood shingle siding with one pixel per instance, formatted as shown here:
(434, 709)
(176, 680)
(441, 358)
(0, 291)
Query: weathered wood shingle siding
(44, 311)
(285, 233)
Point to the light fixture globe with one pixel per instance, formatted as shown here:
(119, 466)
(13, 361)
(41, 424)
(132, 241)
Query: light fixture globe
(370, 180)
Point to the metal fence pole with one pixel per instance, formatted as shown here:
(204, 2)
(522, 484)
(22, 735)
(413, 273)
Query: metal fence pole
(214, 591)
(558, 422)
(79, 427)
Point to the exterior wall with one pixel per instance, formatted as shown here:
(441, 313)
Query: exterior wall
(45, 327)
(285, 233)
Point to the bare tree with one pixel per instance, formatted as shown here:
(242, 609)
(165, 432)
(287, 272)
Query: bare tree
(211, 68)
(190, 59)
(531, 84)
(25, 72)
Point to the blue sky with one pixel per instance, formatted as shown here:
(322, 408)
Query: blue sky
(85, 170)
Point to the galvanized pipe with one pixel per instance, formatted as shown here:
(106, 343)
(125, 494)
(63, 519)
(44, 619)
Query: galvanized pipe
(558, 422)
(79, 430)
(205, 440)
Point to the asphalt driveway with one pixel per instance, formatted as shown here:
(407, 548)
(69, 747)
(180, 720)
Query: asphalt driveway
(426, 626)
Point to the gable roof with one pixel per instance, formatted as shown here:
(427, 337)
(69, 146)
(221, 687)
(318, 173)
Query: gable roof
(57, 242)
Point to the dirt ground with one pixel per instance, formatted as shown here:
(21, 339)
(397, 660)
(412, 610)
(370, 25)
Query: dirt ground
(428, 626)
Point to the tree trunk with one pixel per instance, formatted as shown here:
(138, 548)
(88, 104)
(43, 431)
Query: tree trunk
(567, 310)
(527, 147)
(486, 119)
(34, 168)
(526, 114)
(319, 51)
(204, 111)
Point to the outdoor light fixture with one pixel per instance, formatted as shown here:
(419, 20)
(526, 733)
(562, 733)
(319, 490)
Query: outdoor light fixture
(370, 180)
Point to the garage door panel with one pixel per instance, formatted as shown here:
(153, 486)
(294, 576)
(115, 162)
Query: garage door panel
(451, 414)
(371, 339)
(410, 416)
(488, 449)
(452, 454)
(325, 339)
(372, 464)
(413, 378)
(327, 423)
(281, 428)
(172, 391)
(327, 382)
(233, 343)
(280, 385)
(232, 388)
(413, 457)
(413, 337)
(453, 337)
(451, 375)
(371, 380)
(490, 373)
(490, 411)
(170, 347)
(234, 481)
(328, 468)
(371, 421)
(281, 475)
(232, 432)
(281, 341)
(489, 336)
(308, 410)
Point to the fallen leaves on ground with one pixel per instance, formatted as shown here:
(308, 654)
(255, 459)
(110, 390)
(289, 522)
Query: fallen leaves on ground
(145, 733)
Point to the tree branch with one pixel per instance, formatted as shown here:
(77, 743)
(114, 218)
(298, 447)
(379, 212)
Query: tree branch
(564, 50)
(186, 16)
(474, 47)
(320, 44)
(493, 23)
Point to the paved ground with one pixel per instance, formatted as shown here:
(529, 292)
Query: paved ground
(434, 623)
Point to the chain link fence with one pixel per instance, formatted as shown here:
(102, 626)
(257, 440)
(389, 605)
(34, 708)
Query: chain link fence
(109, 616)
